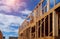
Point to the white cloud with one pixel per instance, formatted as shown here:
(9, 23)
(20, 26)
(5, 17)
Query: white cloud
(19, 6)
(26, 11)
(5, 8)
(6, 20)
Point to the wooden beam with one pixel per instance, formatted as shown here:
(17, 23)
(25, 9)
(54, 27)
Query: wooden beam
(40, 29)
(48, 5)
(41, 9)
(48, 24)
(37, 29)
(35, 32)
(30, 33)
(55, 24)
(44, 27)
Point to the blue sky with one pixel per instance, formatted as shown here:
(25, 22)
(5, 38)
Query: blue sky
(13, 13)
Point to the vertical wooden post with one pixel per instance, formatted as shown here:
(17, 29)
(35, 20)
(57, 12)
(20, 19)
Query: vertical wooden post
(35, 17)
(40, 29)
(37, 30)
(30, 33)
(48, 5)
(55, 24)
(40, 21)
(44, 27)
(48, 24)
(40, 9)
(35, 22)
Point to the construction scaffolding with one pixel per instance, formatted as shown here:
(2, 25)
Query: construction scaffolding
(43, 22)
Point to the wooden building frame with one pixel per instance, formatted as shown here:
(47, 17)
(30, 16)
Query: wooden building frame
(43, 23)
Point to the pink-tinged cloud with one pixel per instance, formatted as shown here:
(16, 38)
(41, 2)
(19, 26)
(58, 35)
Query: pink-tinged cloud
(9, 5)
(10, 2)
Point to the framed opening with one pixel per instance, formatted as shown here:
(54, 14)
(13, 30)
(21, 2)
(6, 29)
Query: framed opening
(59, 24)
(58, 12)
(46, 26)
(51, 24)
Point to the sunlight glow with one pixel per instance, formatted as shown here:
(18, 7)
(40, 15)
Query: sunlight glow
(11, 2)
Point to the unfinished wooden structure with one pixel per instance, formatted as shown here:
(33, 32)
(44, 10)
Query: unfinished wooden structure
(43, 22)
(1, 36)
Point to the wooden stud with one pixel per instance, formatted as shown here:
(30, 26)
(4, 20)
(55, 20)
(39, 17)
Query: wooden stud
(30, 33)
(55, 24)
(48, 24)
(35, 17)
(41, 9)
(35, 32)
(37, 29)
(40, 29)
(44, 27)
(48, 5)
